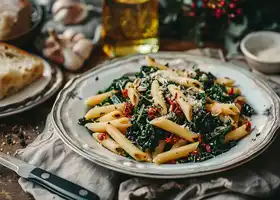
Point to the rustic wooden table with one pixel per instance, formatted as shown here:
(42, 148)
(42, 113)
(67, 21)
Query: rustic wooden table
(20, 130)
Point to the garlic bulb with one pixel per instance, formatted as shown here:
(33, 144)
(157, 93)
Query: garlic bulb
(69, 11)
(69, 49)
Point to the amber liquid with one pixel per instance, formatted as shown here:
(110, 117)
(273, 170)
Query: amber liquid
(130, 27)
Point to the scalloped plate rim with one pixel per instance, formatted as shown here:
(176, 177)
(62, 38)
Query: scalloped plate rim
(103, 162)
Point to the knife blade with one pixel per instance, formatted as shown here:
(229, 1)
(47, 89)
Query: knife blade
(51, 182)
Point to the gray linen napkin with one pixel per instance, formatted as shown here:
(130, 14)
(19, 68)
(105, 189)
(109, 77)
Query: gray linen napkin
(255, 180)
(49, 152)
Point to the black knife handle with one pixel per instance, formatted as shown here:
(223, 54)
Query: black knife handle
(60, 186)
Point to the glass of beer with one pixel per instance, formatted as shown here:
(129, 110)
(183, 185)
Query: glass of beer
(130, 27)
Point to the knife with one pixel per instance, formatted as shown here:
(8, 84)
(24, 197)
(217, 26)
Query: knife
(51, 182)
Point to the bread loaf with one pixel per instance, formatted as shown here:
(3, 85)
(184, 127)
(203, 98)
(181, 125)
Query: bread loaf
(17, 69)
(15, 18)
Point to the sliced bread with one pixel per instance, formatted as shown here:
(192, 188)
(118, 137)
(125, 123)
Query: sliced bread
(17, 69)
(15, 18)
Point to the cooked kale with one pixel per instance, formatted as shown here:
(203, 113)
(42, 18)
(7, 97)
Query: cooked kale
(203, 122)
(220, 147)
(142, 132)
(117, 84)
(106, 101)
(83, 121)
(145, 70)
(202, 97)
(219, 93)
(247, 110)
(179, 119)
(218, 133)
(146, 136)
(206, 78)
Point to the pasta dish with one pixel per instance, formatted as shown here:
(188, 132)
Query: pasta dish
(166, 115)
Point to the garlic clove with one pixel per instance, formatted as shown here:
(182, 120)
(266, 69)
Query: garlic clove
(69, 34)
(54, 54)
(62, 16)
(59, 4)
(83, 13)
(49, 42)
(78, 36)
(69, 12)
(83, 48)
(72, 61)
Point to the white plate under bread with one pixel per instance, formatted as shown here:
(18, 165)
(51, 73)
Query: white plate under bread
(31, 90)
(22, 76)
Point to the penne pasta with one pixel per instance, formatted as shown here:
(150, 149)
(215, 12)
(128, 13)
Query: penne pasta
(226, 118)
(151, 62)
(222, 108)
(110, 116)
(132, 93)
(188, 82)
(174, 77)
(182, 101)
(107, 142)
(238, 133)
(239, 101)
(225, 81)
(185, 73)
(130, 148)
(176, 153)
(174, 128)
(192, 90)
(158, 97)
(100, 111)
(122, 124)
(233, 90)
(179, 143)
(164, 113)
(159, 149)
(96, 99)
(242, 120)
(235, 120)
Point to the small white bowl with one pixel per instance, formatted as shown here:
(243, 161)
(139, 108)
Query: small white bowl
(259, 41)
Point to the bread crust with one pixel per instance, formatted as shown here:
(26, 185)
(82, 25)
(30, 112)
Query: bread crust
(11, 81)
(15, 18)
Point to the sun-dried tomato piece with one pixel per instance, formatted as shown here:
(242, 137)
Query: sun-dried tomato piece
(128, 109)
(172, 139)
(175, 107)
(231, 91)
(101, 136)
(153, 112)
(125, 93)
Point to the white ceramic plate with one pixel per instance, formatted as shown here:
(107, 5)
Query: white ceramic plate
(35, 93)
(69, 107)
